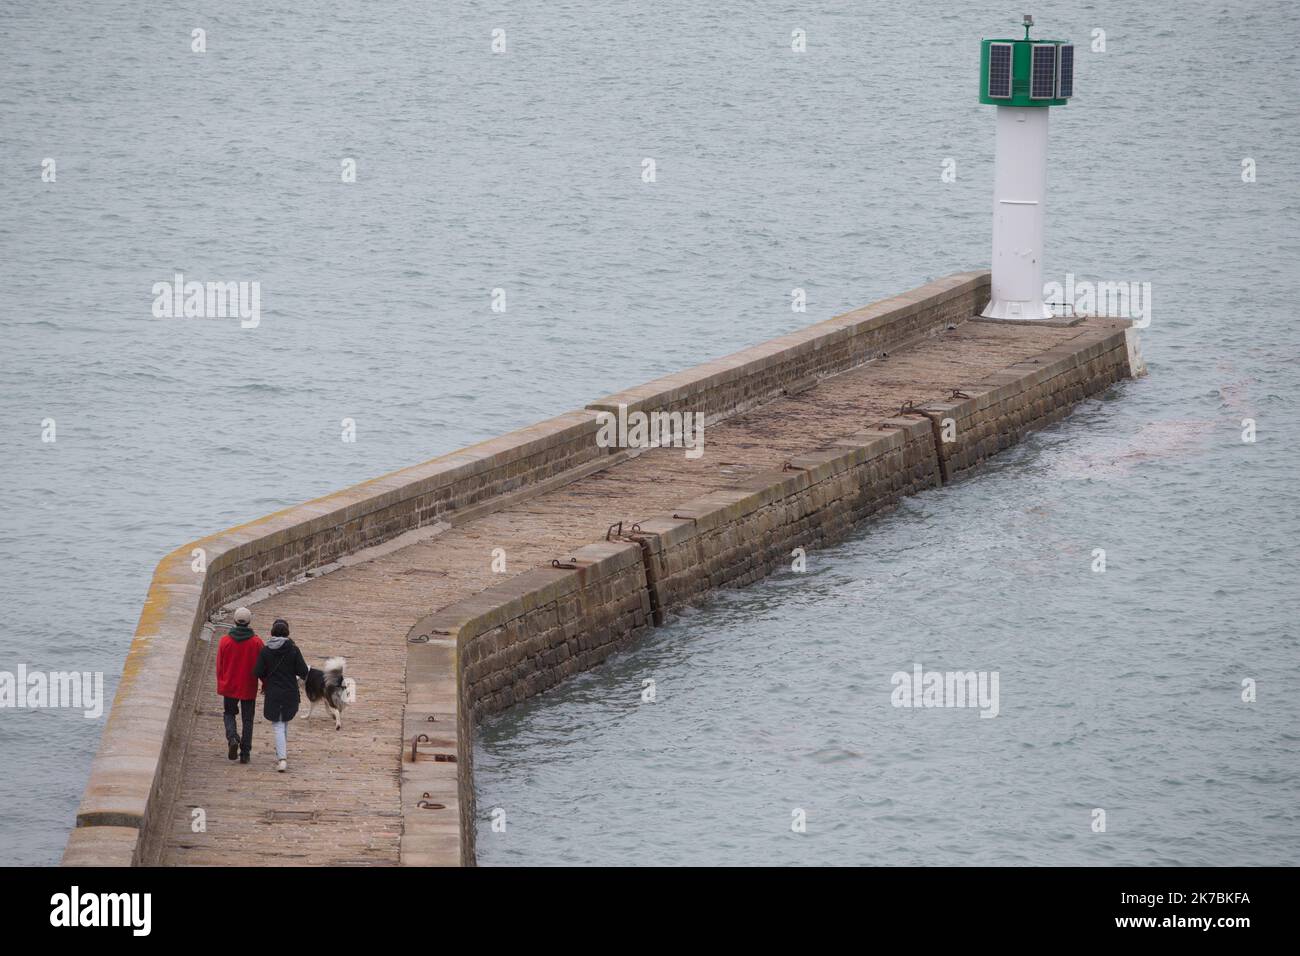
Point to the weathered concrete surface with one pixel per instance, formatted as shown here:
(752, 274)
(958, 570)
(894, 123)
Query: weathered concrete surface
(340, 803)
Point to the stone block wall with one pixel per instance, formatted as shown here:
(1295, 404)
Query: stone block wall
(734, 537)
(548, 624)
(522, 637)
(994, 414)
(511, 642)
(755, 375)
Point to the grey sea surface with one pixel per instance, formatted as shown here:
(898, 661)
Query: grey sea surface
(775, 170)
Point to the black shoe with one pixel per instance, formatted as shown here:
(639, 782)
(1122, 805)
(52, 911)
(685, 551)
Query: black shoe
(244, 758)
(233, 751)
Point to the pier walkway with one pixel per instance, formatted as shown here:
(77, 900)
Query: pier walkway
(339, 804)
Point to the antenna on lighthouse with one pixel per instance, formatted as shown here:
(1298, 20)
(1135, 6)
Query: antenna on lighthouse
(1022, 78)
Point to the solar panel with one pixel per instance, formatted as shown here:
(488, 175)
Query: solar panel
(1042, 73)
(1000, 70)
(1065, 74)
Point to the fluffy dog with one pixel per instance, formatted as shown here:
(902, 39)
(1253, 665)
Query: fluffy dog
(331, 686)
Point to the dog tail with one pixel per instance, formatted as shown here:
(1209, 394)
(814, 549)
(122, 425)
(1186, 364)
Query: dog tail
(335, 664)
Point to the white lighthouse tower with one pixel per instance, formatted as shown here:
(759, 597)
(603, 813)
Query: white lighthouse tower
(1022, 78)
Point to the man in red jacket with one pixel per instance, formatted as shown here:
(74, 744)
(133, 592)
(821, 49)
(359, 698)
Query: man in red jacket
(236, 656)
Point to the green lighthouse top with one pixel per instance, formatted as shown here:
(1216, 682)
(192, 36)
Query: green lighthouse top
(1026, 72)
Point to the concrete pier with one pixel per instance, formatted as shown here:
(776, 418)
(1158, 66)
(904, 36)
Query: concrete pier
(806, 436)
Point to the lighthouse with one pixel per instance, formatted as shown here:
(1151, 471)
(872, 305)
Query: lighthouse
(1023, 78)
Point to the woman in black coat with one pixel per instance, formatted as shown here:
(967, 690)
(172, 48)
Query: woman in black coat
(278, 667)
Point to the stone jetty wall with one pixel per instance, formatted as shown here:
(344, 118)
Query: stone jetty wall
(512, 641)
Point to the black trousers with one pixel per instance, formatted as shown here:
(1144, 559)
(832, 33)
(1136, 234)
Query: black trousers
(245, 709)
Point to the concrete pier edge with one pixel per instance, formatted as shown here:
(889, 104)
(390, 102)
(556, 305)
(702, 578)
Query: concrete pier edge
(520, 637)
